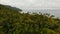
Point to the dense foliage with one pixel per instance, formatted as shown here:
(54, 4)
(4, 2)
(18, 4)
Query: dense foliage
(13, 22)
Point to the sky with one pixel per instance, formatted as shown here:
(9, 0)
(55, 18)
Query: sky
(35, 4)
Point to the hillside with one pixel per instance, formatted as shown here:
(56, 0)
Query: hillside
(13, 22)
(9, 7)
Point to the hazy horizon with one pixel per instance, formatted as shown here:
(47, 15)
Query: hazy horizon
(54, 12)
(33, 4)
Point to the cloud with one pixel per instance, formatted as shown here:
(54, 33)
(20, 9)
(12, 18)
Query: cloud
(32, 3)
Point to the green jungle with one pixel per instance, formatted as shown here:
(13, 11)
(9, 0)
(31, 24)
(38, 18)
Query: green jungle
(14, 22)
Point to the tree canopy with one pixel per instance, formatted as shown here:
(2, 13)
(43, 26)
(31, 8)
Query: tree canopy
(13, 22)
